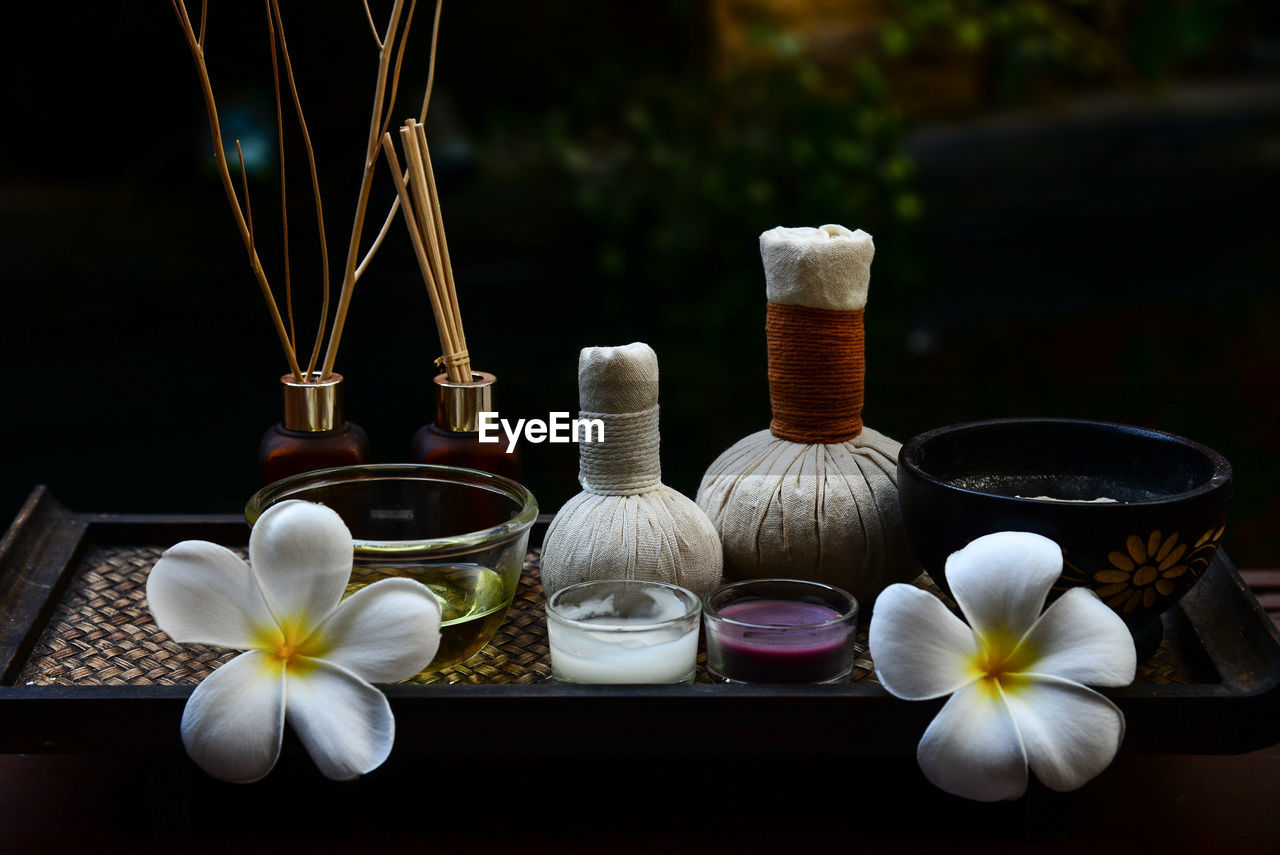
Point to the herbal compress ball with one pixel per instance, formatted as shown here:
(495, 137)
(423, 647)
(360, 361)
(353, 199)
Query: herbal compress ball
(626, 524)
(814, 496)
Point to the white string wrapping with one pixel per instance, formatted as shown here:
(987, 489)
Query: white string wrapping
(626, 461)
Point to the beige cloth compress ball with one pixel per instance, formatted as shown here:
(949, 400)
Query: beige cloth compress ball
(626, 524)
(814, 496)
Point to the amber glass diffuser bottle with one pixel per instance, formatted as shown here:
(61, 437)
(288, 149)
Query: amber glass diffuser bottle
(313, 433)
(454, 438)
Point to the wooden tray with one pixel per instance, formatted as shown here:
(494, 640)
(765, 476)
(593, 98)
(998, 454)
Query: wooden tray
(1213, 687)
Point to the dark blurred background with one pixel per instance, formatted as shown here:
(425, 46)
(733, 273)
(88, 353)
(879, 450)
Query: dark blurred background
(1075, 206)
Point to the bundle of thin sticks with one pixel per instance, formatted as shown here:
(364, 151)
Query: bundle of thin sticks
(391, 45)
(420, 205)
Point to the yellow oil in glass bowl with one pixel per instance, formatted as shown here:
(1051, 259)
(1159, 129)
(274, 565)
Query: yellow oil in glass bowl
(461, 532)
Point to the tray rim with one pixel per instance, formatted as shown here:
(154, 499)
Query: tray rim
(45, 541)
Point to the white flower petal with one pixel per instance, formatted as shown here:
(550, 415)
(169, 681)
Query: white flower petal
(386, 632)
(234, 720)
(1071, 733)
(920, 649)
(1080, 638)
(972, 747)
(345, 723)
(301, 553)
(202, 593)
(1001, 580)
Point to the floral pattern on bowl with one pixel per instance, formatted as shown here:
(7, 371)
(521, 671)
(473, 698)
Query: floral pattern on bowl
(1148, 573)
(1139, 513)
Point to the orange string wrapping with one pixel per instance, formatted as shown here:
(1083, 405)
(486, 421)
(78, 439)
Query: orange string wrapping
(816, 370)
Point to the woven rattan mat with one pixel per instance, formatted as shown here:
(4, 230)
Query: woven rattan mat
(101, 634)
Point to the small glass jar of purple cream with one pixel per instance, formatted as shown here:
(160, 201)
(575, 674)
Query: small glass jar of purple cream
(780, 631)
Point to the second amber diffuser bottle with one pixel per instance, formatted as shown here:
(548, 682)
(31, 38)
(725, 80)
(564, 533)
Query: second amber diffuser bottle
(453, 439)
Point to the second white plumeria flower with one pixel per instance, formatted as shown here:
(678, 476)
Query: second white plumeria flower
(1015, 676)
(310, 659)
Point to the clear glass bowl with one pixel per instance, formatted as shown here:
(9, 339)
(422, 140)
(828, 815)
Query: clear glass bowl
(461, 532)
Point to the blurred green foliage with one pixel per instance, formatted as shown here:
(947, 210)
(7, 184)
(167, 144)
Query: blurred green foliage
(1027, 44)
(666, 161)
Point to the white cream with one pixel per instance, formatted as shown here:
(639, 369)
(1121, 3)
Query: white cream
(651, 641)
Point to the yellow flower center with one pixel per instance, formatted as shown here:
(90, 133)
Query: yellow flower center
(1001, 661)
(291, 645)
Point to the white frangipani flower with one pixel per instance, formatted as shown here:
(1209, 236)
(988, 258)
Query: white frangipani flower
(309, 659)
(1015, 675)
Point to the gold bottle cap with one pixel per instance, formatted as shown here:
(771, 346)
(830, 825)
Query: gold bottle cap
(458, 405)
(314, 406)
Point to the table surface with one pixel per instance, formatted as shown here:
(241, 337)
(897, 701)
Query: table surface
(596, 804)
(1142, 803)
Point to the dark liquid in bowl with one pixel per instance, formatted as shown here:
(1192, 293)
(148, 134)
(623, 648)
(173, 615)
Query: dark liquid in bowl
(1080, 488)
(1066, 460)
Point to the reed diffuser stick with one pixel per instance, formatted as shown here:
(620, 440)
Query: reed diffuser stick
(415, 237)
(460, 359)
(425, 218)
(315, 188)
(425, 154)
(422, 117)
(284, 183)
(418, 184)
(195, 44)
(366, 184)
(420, 205)
(372, 26)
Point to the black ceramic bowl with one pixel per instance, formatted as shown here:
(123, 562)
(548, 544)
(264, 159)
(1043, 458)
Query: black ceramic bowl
(1140, 552)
